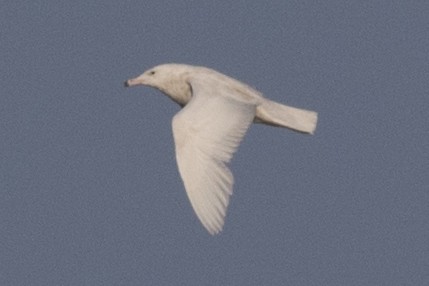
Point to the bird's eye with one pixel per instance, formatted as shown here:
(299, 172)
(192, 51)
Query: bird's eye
(151, 72)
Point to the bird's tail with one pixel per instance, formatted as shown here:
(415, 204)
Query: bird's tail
(276, 114)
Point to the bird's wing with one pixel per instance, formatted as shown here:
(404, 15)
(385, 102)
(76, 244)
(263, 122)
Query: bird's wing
(207, 131)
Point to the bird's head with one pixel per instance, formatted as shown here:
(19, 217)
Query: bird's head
(171, 79)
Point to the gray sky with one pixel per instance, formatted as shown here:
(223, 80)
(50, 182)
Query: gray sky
(89, 189)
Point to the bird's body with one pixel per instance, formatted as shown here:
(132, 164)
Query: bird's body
(217, 111)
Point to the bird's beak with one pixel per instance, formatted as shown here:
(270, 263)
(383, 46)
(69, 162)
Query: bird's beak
(134, 81)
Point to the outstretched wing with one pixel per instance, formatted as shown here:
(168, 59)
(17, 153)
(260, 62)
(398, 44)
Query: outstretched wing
(207, 131)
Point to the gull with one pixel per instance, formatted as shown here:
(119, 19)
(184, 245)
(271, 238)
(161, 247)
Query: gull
(216, 112)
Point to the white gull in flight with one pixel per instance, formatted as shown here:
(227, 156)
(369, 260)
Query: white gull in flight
(217, 111)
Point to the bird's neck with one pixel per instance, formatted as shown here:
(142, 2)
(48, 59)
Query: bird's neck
(179, 91)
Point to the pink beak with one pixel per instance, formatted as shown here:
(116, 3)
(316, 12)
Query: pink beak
(134, 82)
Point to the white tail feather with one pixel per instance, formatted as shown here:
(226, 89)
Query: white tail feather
(276, 114)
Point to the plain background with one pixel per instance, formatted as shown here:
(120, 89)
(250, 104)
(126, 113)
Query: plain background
(89, 189)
